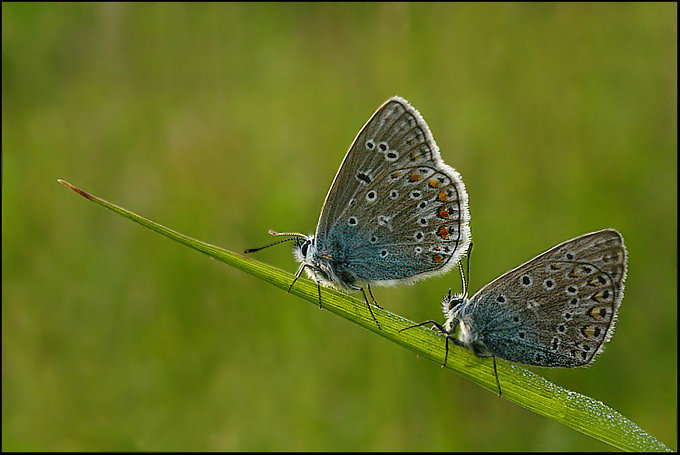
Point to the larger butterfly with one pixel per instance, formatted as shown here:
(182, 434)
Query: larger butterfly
(395, 213)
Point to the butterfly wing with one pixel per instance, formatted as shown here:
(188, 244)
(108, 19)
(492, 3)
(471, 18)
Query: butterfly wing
(395, 211)
(558, 309)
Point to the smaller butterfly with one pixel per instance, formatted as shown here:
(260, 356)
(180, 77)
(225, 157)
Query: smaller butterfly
(556, 310)
(395, 213)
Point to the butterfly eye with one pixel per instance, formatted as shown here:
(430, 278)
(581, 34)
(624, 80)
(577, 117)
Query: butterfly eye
(304, 248)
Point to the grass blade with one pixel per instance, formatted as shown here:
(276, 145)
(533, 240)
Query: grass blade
(521, 386)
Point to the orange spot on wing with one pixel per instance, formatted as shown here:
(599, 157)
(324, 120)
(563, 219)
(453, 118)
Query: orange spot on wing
(443, 233)
(438, 258)
(415, 177)
(443, 196)
(434, 183)
(444, 212)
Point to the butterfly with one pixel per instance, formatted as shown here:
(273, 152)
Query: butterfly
(395, 212)
(556, 310)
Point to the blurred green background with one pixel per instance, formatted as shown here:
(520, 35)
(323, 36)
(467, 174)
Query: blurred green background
(222, 121)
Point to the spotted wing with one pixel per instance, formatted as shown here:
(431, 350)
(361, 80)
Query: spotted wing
(399, 210)
(558, 309)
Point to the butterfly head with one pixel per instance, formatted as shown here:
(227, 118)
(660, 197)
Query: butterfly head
(305, 251)
(452, 305)
(303, 248)
(456, 310)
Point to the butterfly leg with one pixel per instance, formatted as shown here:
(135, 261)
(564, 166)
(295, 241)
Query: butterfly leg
(435, 323)
(495, 370)
(457, 342)
(369, 306)
(442, 330)
(496, 373)
(297, 275)
(453, 340)
(373, 298)
(446, 355)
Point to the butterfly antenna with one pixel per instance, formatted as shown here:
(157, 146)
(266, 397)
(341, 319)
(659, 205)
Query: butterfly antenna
(294, 234)
(465, 277)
